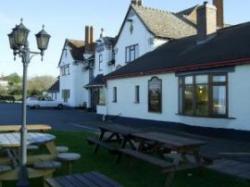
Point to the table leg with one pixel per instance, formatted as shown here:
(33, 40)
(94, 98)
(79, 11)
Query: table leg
(100, 139)
(169, 179)
(51, 148)
(124, 142)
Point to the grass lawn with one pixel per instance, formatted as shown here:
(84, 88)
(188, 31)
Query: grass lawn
(134, 173)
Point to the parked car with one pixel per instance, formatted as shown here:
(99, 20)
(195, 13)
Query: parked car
(46, 102)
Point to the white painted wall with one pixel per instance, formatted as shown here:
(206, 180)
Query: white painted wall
(238, 92)
(105, 68)
(74, 82)
(147, 42)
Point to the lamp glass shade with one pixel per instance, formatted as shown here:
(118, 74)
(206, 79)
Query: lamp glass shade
(20, 35)
(12, 41)
(42, 39)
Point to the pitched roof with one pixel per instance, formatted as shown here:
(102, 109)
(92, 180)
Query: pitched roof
(163, 23)
(55, 87)
(187, 11)
(229, 46)
(77, 49)
(97, 81)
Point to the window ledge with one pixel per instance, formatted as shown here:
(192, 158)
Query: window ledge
(212, 117)
(101, 104)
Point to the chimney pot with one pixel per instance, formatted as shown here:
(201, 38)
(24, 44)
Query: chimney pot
(136, 2)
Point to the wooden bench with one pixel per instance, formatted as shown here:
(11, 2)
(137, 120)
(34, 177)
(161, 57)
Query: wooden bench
(147, 158)
(92, 179)
(102, 144)
(232, 167)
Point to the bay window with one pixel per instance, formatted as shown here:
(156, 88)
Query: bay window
(203, 95)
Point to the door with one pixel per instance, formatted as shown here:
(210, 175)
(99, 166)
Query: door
(94, 98)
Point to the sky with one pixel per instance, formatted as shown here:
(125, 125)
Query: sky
(67, 19)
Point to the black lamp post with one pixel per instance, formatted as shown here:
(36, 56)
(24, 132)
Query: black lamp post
(18, 40)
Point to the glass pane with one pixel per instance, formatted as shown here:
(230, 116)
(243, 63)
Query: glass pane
(154, 94)
(219, 78)
(219, 100)
(180, 100)
(201, 79)
(188, 100)
(189, 80)
(202, 100)
(102, 96)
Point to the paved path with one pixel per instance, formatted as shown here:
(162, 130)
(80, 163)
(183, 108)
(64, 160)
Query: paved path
(67, 119)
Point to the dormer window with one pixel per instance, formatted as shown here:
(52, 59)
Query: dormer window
(132, 52)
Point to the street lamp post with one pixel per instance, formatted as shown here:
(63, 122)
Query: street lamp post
(18, 40)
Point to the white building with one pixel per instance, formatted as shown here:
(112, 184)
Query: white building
(197, 80)
(104, 64)
(75, 70)
(143, 30)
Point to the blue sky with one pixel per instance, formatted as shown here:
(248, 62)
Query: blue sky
(67, 18)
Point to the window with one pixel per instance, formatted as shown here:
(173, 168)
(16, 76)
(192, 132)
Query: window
(65, 95)
(102, 96)
(114, 94)
(137, 94)
(203, 95)
(100, 61)
(155, 95)
(65, 70)
(131, 53)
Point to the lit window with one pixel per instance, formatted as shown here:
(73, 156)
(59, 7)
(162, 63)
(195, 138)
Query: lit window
(203, 95)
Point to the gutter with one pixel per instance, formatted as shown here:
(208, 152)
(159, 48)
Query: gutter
(192, 67)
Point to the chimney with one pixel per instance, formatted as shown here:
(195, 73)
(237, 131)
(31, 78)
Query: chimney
(136, 2)
(220, 12)
(87, 37)
(91, 35)
(206, 21)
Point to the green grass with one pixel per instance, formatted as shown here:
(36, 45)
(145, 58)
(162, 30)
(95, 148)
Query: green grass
(134, 173)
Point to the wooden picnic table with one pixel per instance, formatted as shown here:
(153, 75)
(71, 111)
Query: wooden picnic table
(31, 128)
(170, 141)
(10, 143)
(115, 133)
(145, 145)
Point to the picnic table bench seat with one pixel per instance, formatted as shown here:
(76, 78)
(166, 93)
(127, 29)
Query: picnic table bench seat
(91, 179)
(232, 167)
(147, 158)
(95, 141)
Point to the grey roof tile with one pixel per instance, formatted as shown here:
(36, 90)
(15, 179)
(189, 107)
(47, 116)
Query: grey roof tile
(163, 23)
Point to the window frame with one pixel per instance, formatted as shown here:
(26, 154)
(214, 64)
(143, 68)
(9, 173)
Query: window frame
(211, 114)
(100, 61)
(129, 50)
(160, 102)
(137, 94)
(114, 94)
